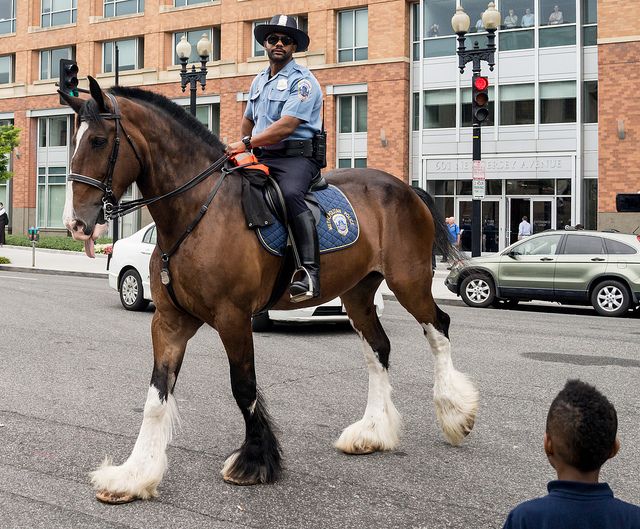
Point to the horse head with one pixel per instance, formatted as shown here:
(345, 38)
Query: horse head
(102, 167)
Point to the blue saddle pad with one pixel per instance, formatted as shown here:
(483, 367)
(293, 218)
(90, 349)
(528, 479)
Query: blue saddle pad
(338, 227)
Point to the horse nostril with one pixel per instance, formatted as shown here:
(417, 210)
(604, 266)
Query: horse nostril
(78, 225)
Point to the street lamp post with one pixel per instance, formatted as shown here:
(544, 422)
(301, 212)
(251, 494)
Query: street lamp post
(193, 77)
(460, 23)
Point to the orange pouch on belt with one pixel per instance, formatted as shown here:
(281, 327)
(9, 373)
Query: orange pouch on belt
(248, 160)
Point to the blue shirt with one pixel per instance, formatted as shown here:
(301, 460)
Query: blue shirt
(293, 91)
(454, 231)
(575, 505)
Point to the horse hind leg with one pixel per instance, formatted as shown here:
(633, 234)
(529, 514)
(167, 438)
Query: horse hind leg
(379, 428)
(139, 476)
(455, 397)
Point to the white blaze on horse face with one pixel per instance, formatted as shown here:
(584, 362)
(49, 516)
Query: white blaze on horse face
(379, 428)
(68, 213)
(454, 395)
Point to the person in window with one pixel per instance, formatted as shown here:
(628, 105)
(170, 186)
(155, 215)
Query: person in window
(479, 25)
(528, 20)
(556, 16)
(511, 20)
(434, 30)
(279, 123)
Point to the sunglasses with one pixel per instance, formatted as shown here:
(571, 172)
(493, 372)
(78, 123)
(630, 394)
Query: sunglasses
(286, 41)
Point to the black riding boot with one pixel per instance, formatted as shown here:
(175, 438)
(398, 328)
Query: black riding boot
(306, 237)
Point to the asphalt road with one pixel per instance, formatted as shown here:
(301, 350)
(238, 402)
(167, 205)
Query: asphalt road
(75, 367)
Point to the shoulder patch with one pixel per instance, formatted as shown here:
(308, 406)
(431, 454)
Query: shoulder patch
(304, 89)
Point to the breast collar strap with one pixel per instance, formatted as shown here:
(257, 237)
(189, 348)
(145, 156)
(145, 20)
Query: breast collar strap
(109, 200)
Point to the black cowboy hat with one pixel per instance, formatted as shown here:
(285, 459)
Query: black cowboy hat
(282, 24)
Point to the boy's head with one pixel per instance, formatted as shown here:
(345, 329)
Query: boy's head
(581, 427)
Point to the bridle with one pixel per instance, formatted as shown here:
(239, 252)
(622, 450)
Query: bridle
(109, 200)
(112, 209)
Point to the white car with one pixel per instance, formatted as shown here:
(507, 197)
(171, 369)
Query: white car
(129, 274)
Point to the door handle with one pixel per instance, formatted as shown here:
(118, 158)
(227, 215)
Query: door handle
(144, 252)
(597, 259)
(546, 259)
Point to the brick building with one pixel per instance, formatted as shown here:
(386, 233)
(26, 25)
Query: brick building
(358, 52)
(393, 96)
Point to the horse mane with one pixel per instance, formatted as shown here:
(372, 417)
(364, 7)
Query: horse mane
(191, 125)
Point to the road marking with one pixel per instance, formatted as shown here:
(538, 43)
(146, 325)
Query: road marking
(18, 277)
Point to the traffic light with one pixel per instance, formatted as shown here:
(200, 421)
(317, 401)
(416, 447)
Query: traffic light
(480, 99)
(68, 78)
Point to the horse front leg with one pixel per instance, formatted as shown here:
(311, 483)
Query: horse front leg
(139, 476)
(258, 460)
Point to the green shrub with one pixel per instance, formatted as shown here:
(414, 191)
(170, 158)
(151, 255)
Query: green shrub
(53, 242)
(4, 260)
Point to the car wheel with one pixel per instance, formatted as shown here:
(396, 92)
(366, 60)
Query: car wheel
(477, 291)
(261, 322)
(504, 303)
(131, 291)
(610, 298)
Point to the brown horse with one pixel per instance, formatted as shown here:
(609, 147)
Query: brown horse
(222, 276)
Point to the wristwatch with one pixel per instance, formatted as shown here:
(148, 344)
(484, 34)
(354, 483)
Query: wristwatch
(247, 142)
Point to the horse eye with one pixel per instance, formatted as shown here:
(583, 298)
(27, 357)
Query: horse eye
(98, 142)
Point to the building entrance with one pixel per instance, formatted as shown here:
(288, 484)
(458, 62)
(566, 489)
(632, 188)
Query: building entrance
(491, 227)
(540, 212)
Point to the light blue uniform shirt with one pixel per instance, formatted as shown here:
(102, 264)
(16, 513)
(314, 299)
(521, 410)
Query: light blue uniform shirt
(293, 91)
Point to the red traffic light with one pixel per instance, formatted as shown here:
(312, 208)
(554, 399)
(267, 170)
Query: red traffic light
(481, 83)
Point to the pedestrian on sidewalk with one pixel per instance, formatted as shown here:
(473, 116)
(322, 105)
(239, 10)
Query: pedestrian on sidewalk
(4, 222)
(454, 236)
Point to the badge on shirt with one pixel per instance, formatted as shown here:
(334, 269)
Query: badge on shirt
(304, 90)
(282, 84)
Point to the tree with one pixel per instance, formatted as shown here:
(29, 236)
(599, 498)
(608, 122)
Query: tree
(9, 139)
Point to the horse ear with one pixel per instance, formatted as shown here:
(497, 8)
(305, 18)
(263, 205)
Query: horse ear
(96, 93)
(74, 102)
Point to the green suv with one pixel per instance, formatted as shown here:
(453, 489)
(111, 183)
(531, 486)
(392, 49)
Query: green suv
(571, 267)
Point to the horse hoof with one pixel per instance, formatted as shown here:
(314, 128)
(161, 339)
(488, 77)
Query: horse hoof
(239, 482)
(115, 498)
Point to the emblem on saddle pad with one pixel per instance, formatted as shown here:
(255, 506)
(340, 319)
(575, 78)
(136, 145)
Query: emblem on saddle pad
(340, 220)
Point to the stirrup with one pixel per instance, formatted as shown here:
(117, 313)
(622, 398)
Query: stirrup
(303, 296)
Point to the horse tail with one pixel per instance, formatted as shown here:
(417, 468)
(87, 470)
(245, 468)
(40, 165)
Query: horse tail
(441, 240)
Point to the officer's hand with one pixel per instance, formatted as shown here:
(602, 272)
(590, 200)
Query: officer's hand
(235, 148)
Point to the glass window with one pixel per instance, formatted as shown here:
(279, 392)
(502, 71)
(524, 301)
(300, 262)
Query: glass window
(515, 40)
(517, 104)
(440, 47)
(583, 245)
(436, 25)
(6, 69)
(545, 245)
(130, 55)
(50, 61)
(439, 109)
(559, 36)
(193, 37)
(52, 132)
(517, 14)
(150, 236)
(58, 12)
(353, 34)
(590, 201)
(415, 31)
(590, 102)
(557, 12)
(558, 102)
(440, 187)
(563, 212)
(531, 187)
(589, 21)
(116, 8)
(415, 122)
(179, 3)
(346, 163)
(563, 186)
(618, 248)
(467, 118)
(7, 16)
(352, 113)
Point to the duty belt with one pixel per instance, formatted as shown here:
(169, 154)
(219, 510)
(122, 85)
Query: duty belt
(288, 148)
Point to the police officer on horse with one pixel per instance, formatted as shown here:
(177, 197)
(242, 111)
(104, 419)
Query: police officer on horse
(280, 122)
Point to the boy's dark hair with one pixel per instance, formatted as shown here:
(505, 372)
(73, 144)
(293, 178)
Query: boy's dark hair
(582, 424)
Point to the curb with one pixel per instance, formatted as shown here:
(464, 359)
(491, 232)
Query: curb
(97, 275)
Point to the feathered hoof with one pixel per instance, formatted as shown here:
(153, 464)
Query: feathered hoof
(242, 468)
(115, 498)
(367, 436)
(456, 411)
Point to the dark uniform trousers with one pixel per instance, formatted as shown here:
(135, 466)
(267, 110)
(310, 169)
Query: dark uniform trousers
(294, 175)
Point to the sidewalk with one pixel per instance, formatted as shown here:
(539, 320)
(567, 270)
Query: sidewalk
(77, 263)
